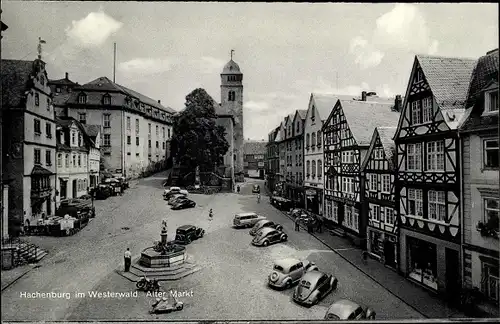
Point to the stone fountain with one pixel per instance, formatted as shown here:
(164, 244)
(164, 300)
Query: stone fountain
(165, 261)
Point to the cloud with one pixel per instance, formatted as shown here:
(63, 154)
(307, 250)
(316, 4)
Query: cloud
(403, 28)
(257, 106)
(209, 65)
(322, 86)
(278, 95)
(93, 30)
(146, 66)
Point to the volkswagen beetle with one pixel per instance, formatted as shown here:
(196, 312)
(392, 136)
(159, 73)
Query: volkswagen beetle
(267, 235)
(287, 272)
(314, 286)
(344, 309)
(265, 223)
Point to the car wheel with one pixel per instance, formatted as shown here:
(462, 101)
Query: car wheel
(371, 317)
(188, 240)
(279, 228)
(335, 284)
(288, 284)
(266, 243)
(283, 238)
(180, 307)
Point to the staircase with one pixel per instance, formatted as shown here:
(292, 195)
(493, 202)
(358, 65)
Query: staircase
(24, 252)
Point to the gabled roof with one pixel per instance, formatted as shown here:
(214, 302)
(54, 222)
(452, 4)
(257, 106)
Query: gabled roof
(63, 81)
(92, 130)
(66, 122)
(385, 134)
(254, 147)
(364, 116)
(61, 99)
(15, 76)
(302, 113)
(38, 170)
(325, 103)
(290, 117)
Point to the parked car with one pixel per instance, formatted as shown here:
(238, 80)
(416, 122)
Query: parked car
(265, 223)
(314, 286)
(287, 272)
(183, 204)
(296, 212)
(344, 309)
(103, 191)
(172, 191)
(176, 198)
(185, 234)
(267, 235)
(256, 189)
(246, 219)
(124, 182)
(281, 203)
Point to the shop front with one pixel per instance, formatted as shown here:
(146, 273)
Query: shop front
(313, 201)
(422, 262)
(383, 246)
(297, 195)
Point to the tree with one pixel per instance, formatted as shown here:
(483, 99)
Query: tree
(197, 140)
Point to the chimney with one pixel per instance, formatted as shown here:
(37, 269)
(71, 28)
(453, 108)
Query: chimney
(159, 101)
(67, 76)
(363, 96)
(398, 102)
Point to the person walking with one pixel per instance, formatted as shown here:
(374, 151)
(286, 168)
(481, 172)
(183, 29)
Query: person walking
(297, 224)
(319, 225)
(258, 198)
(310, 227)
(128, 259)
(238, 188)
(210, 215)
(364, 255)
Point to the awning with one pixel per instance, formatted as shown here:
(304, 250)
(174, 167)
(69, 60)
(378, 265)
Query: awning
(38, 170)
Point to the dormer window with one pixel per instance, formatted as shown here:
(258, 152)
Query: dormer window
(491, 101)
(312, 113)
(82, 98)
(42, 80)
(106, 99)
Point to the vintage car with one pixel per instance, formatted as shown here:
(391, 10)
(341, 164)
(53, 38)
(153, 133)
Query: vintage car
(296, 212)
(345, 310)
(176, 198)
(183, 204)
(163, 305)
(314, 286)
(185, 234)
(256, 189)
(264, 223)
(267, 235)
(246, 219)
(287, 272)
(172, 191)
(124, 182)
(103, 191)
(281, 203)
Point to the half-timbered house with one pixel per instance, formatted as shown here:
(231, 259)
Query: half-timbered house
(428, 182)
(379, 171)
(347, 135)
(480, 193)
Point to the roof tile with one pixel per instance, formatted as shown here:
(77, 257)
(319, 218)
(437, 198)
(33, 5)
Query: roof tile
(15, 81)
(254, 147)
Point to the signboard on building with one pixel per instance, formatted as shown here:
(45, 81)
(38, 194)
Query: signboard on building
(261, 164)
(310, 192)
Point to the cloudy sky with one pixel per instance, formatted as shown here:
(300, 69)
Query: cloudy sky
(286, 51)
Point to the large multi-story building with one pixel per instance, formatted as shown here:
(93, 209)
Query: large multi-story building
(136, 130)
(62, 87)
(94, 161)
(272, 159)
(428, 181)
(347, 135)
(379, 172)
(4, 188)
(74, 151)
(29, 141)
(294, 139)
(480, 193)
(254, 159)
(319, 109)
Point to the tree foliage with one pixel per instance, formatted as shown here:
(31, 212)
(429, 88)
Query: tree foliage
(197, 140)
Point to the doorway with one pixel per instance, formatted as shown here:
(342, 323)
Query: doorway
(75, 189)
(390, 253)
(63, 188)
(453, 282)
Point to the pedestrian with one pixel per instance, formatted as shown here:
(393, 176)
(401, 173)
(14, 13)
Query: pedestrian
(238, 188)
(319, 225)
(258, 198)
(365, 257)
(210, 215)
(310, 227)
(297, 225)
(128, 259)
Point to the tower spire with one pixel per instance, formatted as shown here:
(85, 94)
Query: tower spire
(232, 51)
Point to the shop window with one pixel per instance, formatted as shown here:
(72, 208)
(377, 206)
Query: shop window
(376, 243)
(422, 260)
(489, 282)
(415, 203)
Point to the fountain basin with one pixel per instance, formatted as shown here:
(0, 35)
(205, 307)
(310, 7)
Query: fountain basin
(152, 259)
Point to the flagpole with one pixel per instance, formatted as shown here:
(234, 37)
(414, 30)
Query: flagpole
(114, 63)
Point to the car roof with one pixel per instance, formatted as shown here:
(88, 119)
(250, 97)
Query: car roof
(343, 308)
(246, 214)
(266, 230)
(312, 276)
(185, 227)
(262, 222)
(175, 188)
(286, 263)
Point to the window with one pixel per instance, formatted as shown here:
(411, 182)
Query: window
(38, 127)
(149, 128)
(106, 99)
(489, 282)
(157, 131)
(48, 158)
(136, 154)
(168, 132)
(491, 101)
(79, 160)
(435, 156)
(419, 77)
(48, 104)
(313, 169)
(59, 160)
(491, 211)
(372, 182)
(106, 120)
(320, 169)
(48, 129)
(163, 145)
(107, 140)
(231, 96)
(74, 160)
(386, 183)
(137, 140)
(415, 203)
(58, 90)
(137, 126)
(376, 213)
(82, 118)
(308, 141)
(37, 156)
(128, 123)
(428, 113)
(389, 216)
(129, 140)
(308, 169)
(73, 138)
(491, 153)
(313, 139)
(298, 127)
(437, 205)
(149, 143)
(157, 145)
(415, 157)
(318, 139)
(416, 117)
(82, 98)
(163, 132)
(66, 160)
(37, 99)
(335, 212)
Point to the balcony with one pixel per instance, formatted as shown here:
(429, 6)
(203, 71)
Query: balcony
(41, 192)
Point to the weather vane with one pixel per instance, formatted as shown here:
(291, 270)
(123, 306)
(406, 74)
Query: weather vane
(40, 42)
(232, 51)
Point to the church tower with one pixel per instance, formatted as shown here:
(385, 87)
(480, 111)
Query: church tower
(231, 90)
